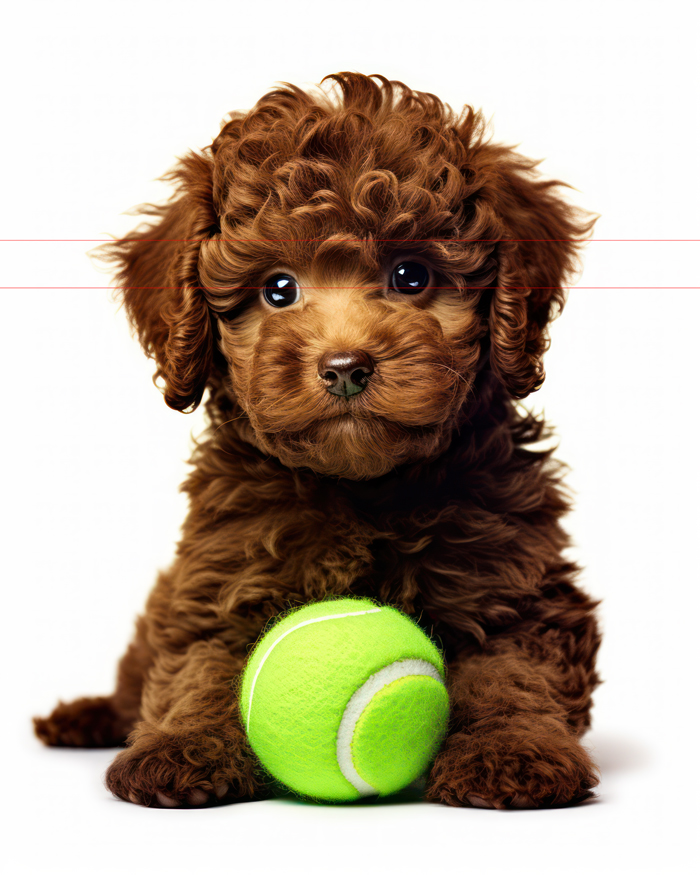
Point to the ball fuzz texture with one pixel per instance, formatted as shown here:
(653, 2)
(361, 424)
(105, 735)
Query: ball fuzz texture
(345, 698)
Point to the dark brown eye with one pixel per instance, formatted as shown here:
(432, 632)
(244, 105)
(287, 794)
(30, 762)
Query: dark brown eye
(410, 277)
(281, 290)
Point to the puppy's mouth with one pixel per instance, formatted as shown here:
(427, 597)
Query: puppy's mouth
(349, 414)
(351, 422)
(345, 444)
(304, 412)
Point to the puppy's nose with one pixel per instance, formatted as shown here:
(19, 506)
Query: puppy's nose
(345, 373)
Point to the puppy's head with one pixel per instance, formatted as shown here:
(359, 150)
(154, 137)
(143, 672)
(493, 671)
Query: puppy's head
(341, 266)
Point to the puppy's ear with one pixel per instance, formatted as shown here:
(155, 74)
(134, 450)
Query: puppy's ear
(159, 283)
(537, 253)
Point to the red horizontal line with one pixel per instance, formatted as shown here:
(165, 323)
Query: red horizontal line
(321, 239)
(433, 288)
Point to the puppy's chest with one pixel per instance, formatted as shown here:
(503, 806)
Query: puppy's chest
(304, 553)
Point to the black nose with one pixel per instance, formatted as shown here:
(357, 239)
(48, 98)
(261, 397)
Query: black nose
(345, 373)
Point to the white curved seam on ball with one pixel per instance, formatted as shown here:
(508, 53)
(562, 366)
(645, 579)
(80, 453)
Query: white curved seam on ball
(359, 701)
(289, 632)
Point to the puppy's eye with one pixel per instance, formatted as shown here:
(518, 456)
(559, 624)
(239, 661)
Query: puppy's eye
(281, 290)
(410, 277)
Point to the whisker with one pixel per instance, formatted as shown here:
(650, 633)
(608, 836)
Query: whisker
(277, 401)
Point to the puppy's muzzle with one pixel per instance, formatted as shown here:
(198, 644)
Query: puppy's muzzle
(345, 373)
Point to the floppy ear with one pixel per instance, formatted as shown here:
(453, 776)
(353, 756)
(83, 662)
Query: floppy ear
(159, 282)
(538, 235)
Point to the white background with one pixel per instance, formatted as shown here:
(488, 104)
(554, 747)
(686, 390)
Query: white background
(99, 98)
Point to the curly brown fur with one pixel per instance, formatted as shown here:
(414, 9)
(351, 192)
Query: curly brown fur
(424, 490)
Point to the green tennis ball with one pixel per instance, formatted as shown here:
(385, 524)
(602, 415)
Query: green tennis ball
(343, 699)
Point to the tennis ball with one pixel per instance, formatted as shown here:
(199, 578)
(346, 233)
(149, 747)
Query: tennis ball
(343, 699)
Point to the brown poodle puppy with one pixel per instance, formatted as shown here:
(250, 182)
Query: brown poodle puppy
(363, 283)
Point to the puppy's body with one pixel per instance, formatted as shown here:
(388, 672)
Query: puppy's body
(412, 483)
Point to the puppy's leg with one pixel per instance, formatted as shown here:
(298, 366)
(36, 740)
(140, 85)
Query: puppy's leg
(102, 721)
(510, 745)
(190, 748)
(518, 708)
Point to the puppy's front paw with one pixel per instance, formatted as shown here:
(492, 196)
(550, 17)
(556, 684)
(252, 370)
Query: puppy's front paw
(172, 770)
(513, 768)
